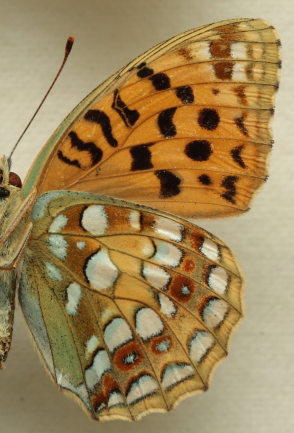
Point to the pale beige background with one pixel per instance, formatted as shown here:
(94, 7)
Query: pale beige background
(253, 391)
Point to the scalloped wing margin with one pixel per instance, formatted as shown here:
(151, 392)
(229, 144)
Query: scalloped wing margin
(130, 309)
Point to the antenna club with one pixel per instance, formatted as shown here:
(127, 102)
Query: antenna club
(69, 44)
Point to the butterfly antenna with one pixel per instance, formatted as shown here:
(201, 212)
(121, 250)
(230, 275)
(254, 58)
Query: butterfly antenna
(68, 47)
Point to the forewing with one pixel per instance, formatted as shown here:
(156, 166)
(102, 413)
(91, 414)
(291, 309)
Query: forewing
(131, 309)
(183, 128)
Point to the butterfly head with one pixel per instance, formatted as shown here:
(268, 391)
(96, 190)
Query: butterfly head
(10, 195)
(9, 182)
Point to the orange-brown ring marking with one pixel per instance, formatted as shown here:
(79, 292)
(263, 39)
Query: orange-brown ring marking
(175, 288)
(157, 341)
(131, 348)
(188, 265)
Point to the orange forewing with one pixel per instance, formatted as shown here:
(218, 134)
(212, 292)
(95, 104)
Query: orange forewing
(184, 128)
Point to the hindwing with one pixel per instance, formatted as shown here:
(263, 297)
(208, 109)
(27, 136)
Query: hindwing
(130, 308)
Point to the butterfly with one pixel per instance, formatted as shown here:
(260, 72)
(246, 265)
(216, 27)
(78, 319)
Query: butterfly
(130, 305)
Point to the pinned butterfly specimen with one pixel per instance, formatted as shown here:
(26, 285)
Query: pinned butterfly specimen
(131, 306)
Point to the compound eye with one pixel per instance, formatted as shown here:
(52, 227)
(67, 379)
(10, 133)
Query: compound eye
(4, 193)
(14, 180)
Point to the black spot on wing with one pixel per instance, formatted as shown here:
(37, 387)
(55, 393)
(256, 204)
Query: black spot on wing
(165, 122)
(169, 183)
(208, 118)
(160, 81)
(81, 214)
(94, 151)
(198, 150)
(239, 122)
(144, 71)
(185, 94)
(101, 118)
(205, 179)
(236, 155)
(130, 117)
(229, 184)
(141, 157)
(68, 161)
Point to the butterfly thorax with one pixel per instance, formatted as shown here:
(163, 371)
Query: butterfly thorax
(14, 215)
(15, 229)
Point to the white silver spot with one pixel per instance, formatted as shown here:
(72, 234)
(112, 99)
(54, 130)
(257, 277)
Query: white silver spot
(156, 276)
(100, 407)
(134, 218)
(92, 344)
(214, 312)
(148, 324)
(203, 50)
(169, 229)
(81, 245)
(176, 373)
(167, 307)
(210, 249)
(218, 280)
(115, 399)
(185, 290)
(148, 247)
(199, 345)
(74, 294)
(94, 220)
(53, 272)
(58, 223)
(239, 51)
(144, 386)
(117, 333)
(163, 346)
(100, 271)
(167, 254)
(239, 72)
(101, 364)
(58, 246)
(130, 359)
